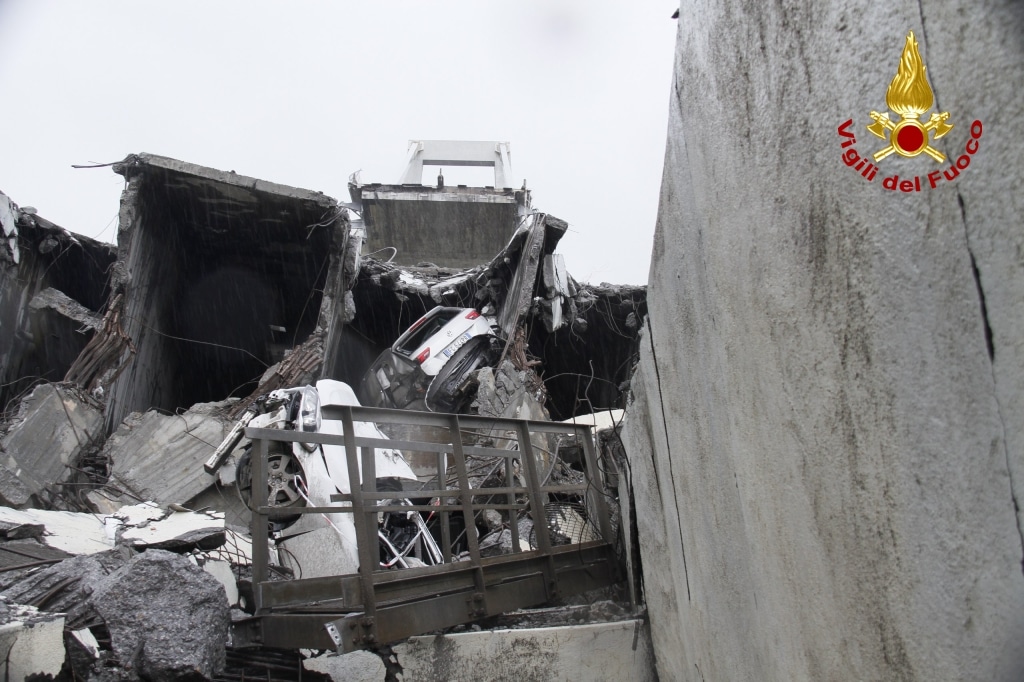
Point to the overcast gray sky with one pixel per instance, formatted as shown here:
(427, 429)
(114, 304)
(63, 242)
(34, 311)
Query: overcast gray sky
(304, 93)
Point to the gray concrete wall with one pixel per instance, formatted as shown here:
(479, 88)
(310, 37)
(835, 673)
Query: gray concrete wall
(447, 229)
(827, 457)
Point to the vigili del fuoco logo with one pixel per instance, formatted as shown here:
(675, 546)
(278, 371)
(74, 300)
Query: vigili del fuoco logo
(909, 96)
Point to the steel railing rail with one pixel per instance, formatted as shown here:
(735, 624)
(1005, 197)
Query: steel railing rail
(374, 606)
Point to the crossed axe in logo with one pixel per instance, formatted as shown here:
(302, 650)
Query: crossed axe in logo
(908, 137)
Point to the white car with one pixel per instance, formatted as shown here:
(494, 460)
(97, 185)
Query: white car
(428, 364)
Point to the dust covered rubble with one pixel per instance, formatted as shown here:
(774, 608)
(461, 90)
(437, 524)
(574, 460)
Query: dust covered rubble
(73, 480)
(128, 608)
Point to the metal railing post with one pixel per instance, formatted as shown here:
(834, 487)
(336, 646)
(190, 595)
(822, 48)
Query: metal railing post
(366, 536)
(537, 510)
(466, 496)
(260, 494)
(596, 479)
(444, 516)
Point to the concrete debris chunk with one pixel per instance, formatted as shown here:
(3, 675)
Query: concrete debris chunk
(147, 526)
(357, 666)
(318, 553)
(9, 224)
(65, 587)
(221, 570)
(20, 531)
(32, 642)
(597, 652)
(69, 531)
(54, 426)
(500, 542)
(52, 299)
(168, 619)
(139, 449)
(224, 498)
(83, 650)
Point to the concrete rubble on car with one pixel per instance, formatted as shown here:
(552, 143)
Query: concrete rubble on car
(127, 366)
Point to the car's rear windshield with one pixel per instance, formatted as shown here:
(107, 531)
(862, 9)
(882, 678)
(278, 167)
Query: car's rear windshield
(418, 337)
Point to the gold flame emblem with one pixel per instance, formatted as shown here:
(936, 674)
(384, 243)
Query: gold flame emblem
(909, 95)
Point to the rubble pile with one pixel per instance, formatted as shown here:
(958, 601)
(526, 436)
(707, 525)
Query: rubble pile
(145, 592)
(125, 369)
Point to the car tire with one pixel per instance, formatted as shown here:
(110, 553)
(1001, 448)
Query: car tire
(443, 394)
(283, 467)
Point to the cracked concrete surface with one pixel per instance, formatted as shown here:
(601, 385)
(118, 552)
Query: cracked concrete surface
(990, 201)
(595, 651)
(837, 366)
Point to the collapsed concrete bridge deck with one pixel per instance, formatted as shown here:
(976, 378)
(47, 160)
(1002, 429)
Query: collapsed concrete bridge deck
(223, 287)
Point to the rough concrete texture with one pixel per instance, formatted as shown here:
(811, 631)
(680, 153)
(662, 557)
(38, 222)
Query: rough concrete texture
(138, 453)
(358, 666)
(31, 642)
(318, 553)
(53, 427)
(64, 587)
(71, 532)
(595, 652)
(146, 526)
(825, 450)
(168, 618)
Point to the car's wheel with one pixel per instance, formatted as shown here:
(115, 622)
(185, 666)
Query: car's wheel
(282, 488)
(445, 394)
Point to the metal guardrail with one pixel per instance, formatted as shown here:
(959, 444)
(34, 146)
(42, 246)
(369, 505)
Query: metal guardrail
(375, 606)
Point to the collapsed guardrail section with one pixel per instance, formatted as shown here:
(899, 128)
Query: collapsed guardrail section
(490, 473)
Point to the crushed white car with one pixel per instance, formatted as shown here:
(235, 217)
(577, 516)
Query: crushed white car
(428, 365)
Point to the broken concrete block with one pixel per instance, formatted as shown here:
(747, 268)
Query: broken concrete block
(33, 642)
(55, 424)
(72, 532)
(221, 570)
(12, 490)
(357, 666)
(555, 278)
(317, 554)
(65, 587)
(56, 300)
(597, 652)
(9, 224)
(102, 501)
(147, 526)
(82, 650)
(168, 619)
(224, 499)
(500, 542)
(20, 531)
(160, 457)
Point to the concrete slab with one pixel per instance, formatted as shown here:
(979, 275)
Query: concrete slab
(225, 499)
(53, 427)
(69, 531)
(160, 457)
(597, 652)
(33, 642)
(317, 554)
(147, 526)
(221, 570)
(52, 299)
(358, 666)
